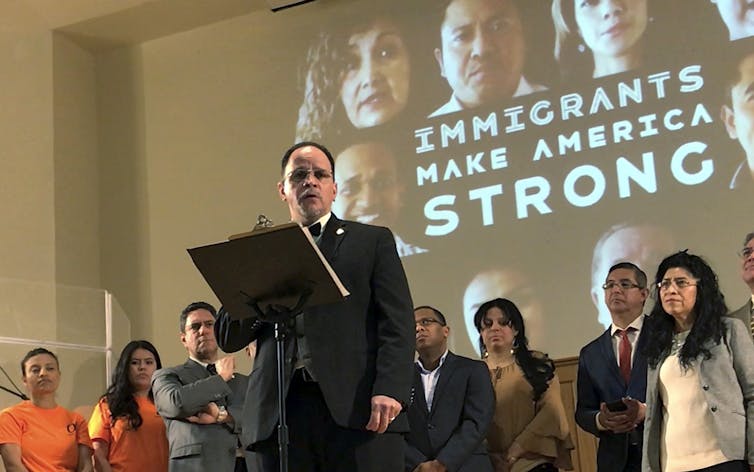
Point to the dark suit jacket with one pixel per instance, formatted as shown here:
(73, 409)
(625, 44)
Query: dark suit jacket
(599, 380)
(454, 429)
(743, 313)
(182, 391)
(360, 347)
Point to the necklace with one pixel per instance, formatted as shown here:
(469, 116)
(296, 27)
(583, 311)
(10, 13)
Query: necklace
(677, 343)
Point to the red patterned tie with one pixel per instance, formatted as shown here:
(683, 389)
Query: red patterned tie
(624, 353)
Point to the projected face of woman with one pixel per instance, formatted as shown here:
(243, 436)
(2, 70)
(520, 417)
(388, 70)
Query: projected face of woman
(375, 83)
(612, 30)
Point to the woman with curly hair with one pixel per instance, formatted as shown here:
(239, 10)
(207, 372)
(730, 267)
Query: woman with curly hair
(127, 432)
(599, 37)
(355, 77)
(529, 430)
(700, 380)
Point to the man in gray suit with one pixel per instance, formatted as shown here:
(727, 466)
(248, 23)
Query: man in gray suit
(200, 399)
(747, 275)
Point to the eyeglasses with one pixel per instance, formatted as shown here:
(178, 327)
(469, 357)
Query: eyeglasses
(426, 322)
(746, 252)
(623, 285)
(300, 174)
(680, 283)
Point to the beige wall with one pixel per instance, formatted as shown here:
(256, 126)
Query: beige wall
(117, 159)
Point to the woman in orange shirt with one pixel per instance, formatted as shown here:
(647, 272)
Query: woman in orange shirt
(39, 435)
(127, 432)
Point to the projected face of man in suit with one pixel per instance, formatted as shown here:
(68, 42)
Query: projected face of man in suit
(308, 185)
(482, 53)
(369, 191)
(738, 16)
(738, 114)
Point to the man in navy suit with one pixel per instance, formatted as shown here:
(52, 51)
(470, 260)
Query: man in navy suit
(452, 403)
(348, 364)
(612, 378)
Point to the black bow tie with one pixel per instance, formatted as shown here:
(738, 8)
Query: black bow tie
(315, 229)
(211, 368)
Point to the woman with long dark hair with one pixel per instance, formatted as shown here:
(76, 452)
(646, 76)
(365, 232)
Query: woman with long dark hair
(127, 432)
(357, 74)
(529, 431)
(700, 380)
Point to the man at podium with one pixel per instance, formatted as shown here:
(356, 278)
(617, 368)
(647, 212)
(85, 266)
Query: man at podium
(348, 364)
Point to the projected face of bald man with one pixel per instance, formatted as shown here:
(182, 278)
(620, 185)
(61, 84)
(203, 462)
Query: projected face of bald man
(369, 191)
(643, 245)
(739, 114)
(504, 283)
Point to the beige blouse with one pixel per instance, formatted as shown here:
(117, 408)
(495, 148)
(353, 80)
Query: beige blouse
(541, 428)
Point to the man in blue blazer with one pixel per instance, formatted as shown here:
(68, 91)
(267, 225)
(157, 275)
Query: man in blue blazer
(612, 377)
(348, 364)
(452, 403)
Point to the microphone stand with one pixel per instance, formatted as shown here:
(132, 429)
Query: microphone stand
(279, 316)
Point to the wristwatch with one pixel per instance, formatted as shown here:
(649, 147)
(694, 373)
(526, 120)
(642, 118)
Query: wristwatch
(222, 414)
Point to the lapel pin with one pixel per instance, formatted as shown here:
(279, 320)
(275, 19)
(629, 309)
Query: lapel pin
(339, 231)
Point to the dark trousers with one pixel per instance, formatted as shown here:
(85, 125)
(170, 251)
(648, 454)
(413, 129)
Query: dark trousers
(318, 444)
(732, 466)
(633, 459)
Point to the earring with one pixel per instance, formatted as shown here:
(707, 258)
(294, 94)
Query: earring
(581, 48)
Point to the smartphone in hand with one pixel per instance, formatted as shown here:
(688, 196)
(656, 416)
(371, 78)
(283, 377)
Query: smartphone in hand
(617, 405)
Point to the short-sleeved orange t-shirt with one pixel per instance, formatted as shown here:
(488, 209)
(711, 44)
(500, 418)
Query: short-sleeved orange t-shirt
(144, 449)
(49, 438)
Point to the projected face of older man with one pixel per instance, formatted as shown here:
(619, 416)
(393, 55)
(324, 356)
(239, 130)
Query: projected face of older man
(738, 115)
(738, 16)
(482, 54)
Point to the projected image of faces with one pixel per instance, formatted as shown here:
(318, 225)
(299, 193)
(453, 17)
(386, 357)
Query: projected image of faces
(643, 244)
(376, 78)
(482, 53)
(355, 78)
(738, 116)
(504, 283)
(738, 16)
(369, 189)
(611, 32)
